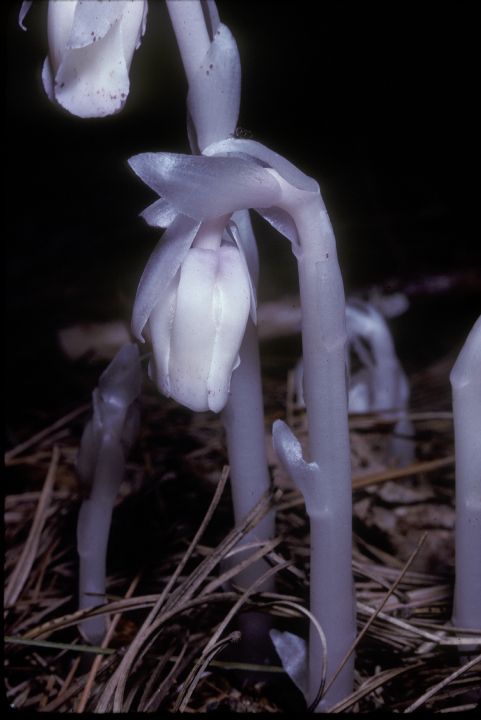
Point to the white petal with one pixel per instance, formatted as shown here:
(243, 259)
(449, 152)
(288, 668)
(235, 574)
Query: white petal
(214, 94)
(232, 301)
(159, 214)
(248, 242)
(206, 187)
(161, 269)
(47, 79)
(93, 20)
(283, 223)
(194, 330)
(60, 19)
(239, 240)
(267, 157)
(160, 325)
(93, 80)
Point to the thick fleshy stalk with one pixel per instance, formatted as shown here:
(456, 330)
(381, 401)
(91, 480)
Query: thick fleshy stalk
(466, 389)
(243, 416)
(329, 494)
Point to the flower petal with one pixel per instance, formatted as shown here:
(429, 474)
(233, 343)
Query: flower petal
(193, 330)
(93, 20)
(283, 223)
(248, 243)
(161, 269)
(240, 241)
(231, 310)
(159, 214)
(214, 94)
(267, 157)
(206, 187)
(93, 80)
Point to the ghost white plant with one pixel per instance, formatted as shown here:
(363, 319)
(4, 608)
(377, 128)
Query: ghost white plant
(466, 389)
(91, 45)
(380, 385)
(105, 443)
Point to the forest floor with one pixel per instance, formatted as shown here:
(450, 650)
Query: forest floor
(408, 656)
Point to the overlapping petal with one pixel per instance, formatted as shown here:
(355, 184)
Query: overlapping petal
(236, 147)
(161, 268)
(91, 45)
(207, 187)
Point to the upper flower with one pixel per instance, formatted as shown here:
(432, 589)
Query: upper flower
(91, 45)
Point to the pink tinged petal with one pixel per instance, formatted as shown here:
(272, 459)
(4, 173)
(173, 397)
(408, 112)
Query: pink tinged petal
(267, 157)
(159, 214)
(207, 187)
(161, 268)
(25, 7)
(214, 94)
(231, 312)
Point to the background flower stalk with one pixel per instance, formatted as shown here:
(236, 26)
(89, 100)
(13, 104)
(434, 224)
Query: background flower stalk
(465, 380)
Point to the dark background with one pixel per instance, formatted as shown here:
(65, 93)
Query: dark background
(377, 101)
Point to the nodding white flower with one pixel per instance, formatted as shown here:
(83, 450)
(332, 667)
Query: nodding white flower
(198, 287)
(91, 45)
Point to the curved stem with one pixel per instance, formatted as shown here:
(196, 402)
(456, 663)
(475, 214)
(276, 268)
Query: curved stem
(324, 342)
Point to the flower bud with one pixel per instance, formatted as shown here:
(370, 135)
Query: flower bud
(197, 327)
(91, 45)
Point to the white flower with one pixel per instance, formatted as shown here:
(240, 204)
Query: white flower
(197, 327)
(198, 286)
(91, 45)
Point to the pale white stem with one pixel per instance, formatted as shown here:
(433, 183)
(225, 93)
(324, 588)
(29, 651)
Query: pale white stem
(93, 529)
(466, 388)
(191, 32)
(243, 420)
(324, 343)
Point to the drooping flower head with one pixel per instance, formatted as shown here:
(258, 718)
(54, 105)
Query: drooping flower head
(91, 45)
(198, 287)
